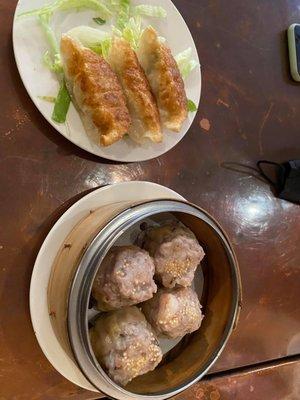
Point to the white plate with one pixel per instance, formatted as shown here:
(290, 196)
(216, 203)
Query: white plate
(127, 191)
(30, 44)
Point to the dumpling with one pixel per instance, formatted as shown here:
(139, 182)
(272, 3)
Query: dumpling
(176, 253)
(96, 91)
(140, 100)
(125, 278)
(174, 313)
(165, 80)
(125, 344)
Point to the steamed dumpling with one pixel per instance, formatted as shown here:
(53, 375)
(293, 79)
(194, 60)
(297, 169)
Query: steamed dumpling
(96, 92)
(176, 253)
(125, 344)
(174, 312)
(165, 80)
(140, 100)
(124, 278)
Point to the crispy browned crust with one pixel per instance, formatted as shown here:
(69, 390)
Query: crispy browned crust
(96, 90)
(165, 80)
(140, 99)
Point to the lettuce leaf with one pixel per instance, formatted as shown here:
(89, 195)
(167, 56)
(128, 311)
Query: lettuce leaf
(105, 47)
(65, 5)
(95, 39)
(123, 13)
(53, 63)
(132, 31)
(87, 36)
(51, 57)
(185, 62)
(129, 21)
(150, 11)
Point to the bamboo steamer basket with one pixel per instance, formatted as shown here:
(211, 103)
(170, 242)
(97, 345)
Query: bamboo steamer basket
(77, 263)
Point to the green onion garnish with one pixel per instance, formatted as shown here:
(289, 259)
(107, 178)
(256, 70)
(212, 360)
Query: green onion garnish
(99, 21)
(191, 106)
(61, 105)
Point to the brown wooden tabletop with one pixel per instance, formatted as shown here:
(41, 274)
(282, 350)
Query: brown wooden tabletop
(272, 382)
(249, 110)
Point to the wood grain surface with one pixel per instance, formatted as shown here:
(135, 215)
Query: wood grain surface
(275, 381)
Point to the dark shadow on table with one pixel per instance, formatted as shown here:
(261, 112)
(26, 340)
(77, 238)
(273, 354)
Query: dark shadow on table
(243, 169)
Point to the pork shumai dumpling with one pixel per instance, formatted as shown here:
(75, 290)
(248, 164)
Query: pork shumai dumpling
(176, 253)
(174, 312)
(124, 278)
(125, 344)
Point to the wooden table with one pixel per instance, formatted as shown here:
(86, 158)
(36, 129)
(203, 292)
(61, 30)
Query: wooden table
(249, 110)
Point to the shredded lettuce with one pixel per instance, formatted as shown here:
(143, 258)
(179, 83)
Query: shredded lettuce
(114, 3)
(105, 47)
(51, 57)
(65, 5)
(45, 23)
(53, 63)
(129, 22)
(185, 62)
(150, 11)
(132, 31)
(123, 13)
(95, 39)
(191, 106)
(87, 36)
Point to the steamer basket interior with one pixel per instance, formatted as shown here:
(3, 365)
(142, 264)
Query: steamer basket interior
(194, 354)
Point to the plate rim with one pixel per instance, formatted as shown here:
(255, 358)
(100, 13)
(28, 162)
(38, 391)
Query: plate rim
(36, 271)
(111, 158)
